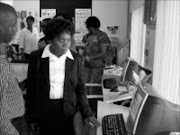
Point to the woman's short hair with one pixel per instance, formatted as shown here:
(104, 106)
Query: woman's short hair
(93, 21)
(30, 18)
(63, 15)
(45, 21)
(56, 26)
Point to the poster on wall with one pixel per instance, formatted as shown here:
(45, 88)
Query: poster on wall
(80, 17)
(48, 13)
(112, 29)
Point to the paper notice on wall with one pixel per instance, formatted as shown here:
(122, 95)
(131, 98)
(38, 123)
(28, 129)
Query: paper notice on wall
(48, 13)
(80, 17)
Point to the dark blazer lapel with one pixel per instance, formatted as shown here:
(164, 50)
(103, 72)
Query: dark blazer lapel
(68, 71)
(44, 67)
(68, 67)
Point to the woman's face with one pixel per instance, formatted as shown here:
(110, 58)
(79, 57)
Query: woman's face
(90, 29)
(29, 23)
(62, 42)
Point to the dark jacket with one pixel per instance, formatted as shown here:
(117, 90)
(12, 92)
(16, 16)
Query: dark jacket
(38, 86)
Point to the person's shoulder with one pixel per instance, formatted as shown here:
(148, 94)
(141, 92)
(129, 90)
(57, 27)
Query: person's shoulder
(103, 35)
(87, 35)
(24, 30)
(42, 39)
(35, 28)
(37, 53)
(76, 55)
(102, 32)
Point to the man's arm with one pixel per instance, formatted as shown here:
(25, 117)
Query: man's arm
(6, 127)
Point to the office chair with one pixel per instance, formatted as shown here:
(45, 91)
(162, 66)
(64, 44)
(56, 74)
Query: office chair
(95, 93)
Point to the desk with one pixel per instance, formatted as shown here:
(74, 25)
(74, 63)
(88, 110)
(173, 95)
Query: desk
(111, 97)
(106, 108)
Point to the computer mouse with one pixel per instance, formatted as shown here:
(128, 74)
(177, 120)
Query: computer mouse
(114, 89)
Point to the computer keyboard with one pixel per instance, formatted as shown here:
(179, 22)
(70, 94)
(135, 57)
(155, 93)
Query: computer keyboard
(113, 125)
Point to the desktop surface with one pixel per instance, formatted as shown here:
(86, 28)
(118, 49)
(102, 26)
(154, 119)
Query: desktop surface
(110, 96)
(120, 95)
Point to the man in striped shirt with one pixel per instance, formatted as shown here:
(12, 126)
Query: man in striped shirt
(11, 99)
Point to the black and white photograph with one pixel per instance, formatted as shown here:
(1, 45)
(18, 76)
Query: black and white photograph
(89, 67)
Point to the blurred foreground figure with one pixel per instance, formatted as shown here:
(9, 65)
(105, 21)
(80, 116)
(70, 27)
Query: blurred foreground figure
(11, 98)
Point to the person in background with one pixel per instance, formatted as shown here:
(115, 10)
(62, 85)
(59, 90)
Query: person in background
(55, 86)
(29, 38)
(63, 15)
(11, 98)
(96, 42)
(14, 44)
(43, 41)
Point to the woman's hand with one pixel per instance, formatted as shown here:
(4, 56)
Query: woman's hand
(92, 122)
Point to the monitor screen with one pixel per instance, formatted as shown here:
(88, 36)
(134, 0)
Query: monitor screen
(127, 73)
(136, 107)
(130, 68)
(150, 114)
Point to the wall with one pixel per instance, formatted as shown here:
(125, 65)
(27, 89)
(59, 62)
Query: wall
(29, 5)
(10, 2)
(67, 6)
(134, 4)
(112, 13)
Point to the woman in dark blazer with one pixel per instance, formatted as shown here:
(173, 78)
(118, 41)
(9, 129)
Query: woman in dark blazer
(55, 83)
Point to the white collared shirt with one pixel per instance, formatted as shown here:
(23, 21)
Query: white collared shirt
(29, 40)
(57, 72)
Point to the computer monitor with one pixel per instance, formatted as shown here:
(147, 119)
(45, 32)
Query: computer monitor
(130, 66)
(150, 114)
